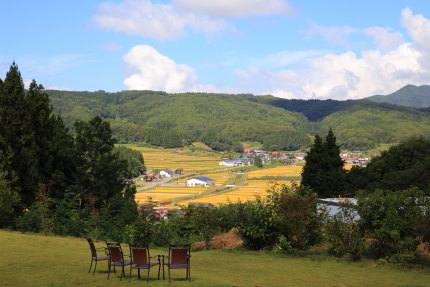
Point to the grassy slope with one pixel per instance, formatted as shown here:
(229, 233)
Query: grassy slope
(35, 260)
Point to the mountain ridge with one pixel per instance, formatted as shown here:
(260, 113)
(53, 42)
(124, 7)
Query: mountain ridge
(409, 95)
(224, 120)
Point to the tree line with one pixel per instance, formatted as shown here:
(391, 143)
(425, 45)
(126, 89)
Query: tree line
(56, 179)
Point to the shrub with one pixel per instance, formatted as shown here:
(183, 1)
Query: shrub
(344, 233)
(256, 224)
(66, 217)
(392, 219)
(296, 216)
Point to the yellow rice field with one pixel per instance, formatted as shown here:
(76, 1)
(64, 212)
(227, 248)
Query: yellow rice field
(164, 193)
(169, 160)
(288, 170)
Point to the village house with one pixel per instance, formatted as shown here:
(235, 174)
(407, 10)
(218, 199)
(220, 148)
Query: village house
(166, 173)
(201, 181)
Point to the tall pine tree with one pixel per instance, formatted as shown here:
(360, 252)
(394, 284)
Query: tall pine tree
(19, 146)
(323, 171)
(30, 131)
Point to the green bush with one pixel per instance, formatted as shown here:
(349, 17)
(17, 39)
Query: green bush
(30, 220)
(256, 224)
(66, 217)
(344, 233)
(296, 216)
(391, 220)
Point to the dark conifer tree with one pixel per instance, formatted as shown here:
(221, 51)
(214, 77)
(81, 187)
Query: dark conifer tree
(314, 160)
(19, 146)
(258, 162)
(102, 175)
(334, 182)
(323, 171)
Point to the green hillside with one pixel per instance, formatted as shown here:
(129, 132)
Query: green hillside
(222, 121)
(409, 95)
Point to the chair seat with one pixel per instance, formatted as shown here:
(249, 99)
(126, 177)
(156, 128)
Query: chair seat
(177, 266)
(101, 258)
(126, 262)
(145, 266)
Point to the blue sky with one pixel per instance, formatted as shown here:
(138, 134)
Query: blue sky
(291, 49)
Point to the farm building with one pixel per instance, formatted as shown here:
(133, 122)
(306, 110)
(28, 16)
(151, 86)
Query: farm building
(231, 162)
(201, 181)
(166, 173)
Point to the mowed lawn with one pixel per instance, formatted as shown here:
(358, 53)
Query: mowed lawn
(36, 260)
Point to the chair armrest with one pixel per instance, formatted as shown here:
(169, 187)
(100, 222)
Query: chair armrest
(155, 256)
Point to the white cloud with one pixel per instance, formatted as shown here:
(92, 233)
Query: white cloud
(236, 8)
(383, 38)
(352, 75)
(285, 58)
(159, 21)
(333, 34)
(343, 76)
(154, 71)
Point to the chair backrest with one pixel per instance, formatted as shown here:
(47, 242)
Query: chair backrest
(140, 255)
(115, 251)
(179, 254)
(92, 247)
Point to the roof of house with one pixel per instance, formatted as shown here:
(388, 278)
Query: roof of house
(169, 171)
(204, 178)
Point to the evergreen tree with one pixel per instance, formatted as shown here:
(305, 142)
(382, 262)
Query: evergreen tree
(314, 160)
(19, 147)
(32, 156)
(257, 162)
(323, 171)
(102, 174)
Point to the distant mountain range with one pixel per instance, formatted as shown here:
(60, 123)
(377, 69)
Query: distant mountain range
(410, 95)
(222, 119)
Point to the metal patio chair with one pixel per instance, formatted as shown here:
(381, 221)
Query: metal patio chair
(95, 257)
(178, 258)
(140, 259)
(116, 258)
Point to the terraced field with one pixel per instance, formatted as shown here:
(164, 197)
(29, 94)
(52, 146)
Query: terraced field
(172, 160)
(288, 170)
(166, 193)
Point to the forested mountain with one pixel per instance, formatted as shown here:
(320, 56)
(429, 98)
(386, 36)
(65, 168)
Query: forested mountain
(222, 121)
(409, 95)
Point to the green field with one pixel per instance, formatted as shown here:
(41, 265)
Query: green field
(36, 260)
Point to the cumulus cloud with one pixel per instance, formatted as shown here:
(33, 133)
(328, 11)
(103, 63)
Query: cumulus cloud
(153, 71)
(393, 64)
(343, 76)
(159, 21)
(383, 37)
(236, 8)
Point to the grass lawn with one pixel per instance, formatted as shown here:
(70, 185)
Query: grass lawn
(36, 260)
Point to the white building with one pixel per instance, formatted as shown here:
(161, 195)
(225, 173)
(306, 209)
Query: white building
(201, 181)
(166, 173)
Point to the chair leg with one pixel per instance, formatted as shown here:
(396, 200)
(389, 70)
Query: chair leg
(138, 273)
(91, 265)
(95, 267)
(109, 265)
(159, 266)
(169, 273)
(129, 277)
(147, 278)
(122, 273)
